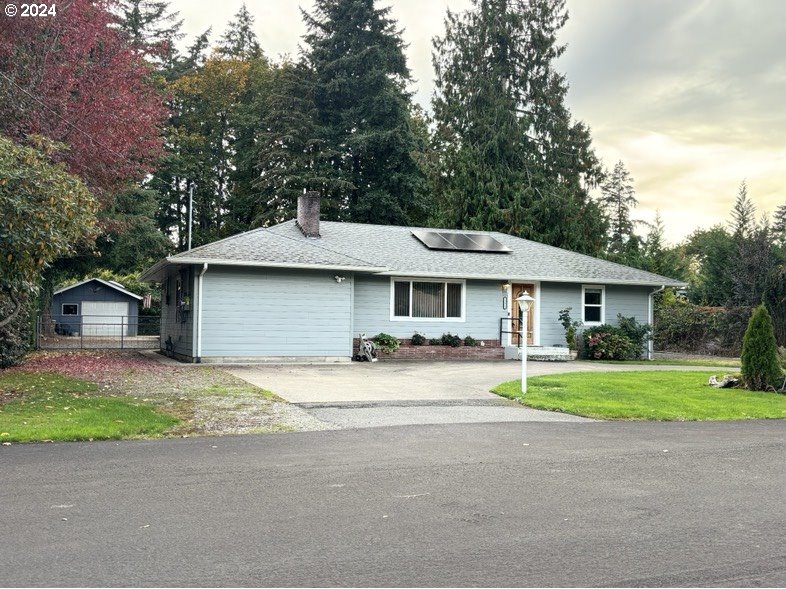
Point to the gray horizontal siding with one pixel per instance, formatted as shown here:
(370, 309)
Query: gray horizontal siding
(481, 321)
(630, 301)
(554, 297)
(257, 312)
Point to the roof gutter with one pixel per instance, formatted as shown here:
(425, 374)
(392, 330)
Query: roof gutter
(198, 326)
(199, 314)
(509, 278)
(651, 320)
(151, 273)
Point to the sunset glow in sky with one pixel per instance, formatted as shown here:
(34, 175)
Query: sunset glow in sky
(690, 94)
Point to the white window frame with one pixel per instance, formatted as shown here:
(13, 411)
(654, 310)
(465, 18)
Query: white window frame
(446, 281)
(602, 289)
(62, 309)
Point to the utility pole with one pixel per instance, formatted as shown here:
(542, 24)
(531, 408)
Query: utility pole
(190, 212)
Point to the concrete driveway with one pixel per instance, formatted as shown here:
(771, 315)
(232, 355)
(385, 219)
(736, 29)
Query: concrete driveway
(362, 382)
(392, 393)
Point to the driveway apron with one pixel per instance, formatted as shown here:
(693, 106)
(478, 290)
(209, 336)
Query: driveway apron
(408, 393)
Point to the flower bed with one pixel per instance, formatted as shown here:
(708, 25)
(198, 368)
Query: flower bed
(490, 350)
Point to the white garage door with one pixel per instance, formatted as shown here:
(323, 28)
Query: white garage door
(104, 318)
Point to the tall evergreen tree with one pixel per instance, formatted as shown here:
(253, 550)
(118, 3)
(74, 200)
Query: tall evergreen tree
(510, 157)
(618, 198)
(292, 159)
(150, 26)
(180, 168)
(779, 225)
(661, 259)
(713, 249)
(240, 40)
(743, 215)
(362, 111)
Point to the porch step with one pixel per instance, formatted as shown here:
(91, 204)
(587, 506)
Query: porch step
(541, 353)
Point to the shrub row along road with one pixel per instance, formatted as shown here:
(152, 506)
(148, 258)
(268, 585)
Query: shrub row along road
(507, 504)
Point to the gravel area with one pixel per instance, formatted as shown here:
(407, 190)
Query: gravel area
(208, 400)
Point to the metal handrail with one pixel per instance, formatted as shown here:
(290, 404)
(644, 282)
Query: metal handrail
(513, 320)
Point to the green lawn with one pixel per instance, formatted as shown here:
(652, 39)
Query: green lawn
(644, 395)
(37, 407)
(709, 362)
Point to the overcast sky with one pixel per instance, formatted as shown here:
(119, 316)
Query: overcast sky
(690, 94)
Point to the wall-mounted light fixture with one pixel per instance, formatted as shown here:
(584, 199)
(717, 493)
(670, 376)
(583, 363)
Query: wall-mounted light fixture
(339, 279)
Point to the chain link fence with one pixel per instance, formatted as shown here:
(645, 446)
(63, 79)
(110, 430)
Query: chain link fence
(98, 332)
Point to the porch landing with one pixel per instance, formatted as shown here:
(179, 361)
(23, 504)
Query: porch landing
(541, 353)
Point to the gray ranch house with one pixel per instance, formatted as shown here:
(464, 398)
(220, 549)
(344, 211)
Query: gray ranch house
(306, 289)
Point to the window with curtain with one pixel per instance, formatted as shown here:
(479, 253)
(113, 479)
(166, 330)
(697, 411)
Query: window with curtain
(427, 299)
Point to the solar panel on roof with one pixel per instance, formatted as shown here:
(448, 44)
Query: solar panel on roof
(464, 242)
(460, 241)
(433, 240)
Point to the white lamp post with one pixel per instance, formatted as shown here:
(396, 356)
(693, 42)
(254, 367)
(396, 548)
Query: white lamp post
(524, 301)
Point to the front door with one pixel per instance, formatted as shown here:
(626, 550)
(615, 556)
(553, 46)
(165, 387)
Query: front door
(518, 289)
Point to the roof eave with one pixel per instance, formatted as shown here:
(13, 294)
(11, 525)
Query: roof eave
(155, 272)
(529, 278)
(120, 289)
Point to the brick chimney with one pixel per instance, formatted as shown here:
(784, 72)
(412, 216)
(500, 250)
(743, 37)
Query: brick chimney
(308, 213)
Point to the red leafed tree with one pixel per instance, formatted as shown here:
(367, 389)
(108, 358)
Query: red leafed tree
(74, 78)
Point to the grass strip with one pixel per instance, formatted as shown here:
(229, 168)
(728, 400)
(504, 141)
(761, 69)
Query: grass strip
(38, 407)
(644, 395)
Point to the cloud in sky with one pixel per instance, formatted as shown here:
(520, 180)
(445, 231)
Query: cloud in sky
(690, 95)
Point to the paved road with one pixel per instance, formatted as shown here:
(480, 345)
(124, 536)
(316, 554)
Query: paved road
(508, 504)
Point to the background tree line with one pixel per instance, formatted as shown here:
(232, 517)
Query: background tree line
(107, 100)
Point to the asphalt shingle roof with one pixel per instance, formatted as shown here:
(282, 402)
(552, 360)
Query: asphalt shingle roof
(392, 250)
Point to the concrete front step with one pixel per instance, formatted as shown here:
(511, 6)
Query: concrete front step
(542, 353)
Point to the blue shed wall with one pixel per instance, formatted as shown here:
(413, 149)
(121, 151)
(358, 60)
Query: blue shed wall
(84, 292)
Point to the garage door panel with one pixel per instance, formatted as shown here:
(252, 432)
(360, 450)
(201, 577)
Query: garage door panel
(104, 318)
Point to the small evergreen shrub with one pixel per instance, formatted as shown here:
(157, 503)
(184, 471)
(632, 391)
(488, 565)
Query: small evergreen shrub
(386, 342)
(453, 341)
(760, 367)
(471, 341)
(435, 341)
(606, 342)
(418, 339)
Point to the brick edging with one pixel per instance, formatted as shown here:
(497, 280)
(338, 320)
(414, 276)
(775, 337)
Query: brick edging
(491, 350)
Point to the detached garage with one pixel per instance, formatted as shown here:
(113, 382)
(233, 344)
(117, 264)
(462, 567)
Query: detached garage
(95, 307)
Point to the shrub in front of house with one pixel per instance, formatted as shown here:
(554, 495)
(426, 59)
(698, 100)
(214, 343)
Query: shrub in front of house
(761, 369)
(606, 342)
(435, 341)
(638, 333)
(386, 342)
(471, 341)
(418, 339)
(451, 340)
